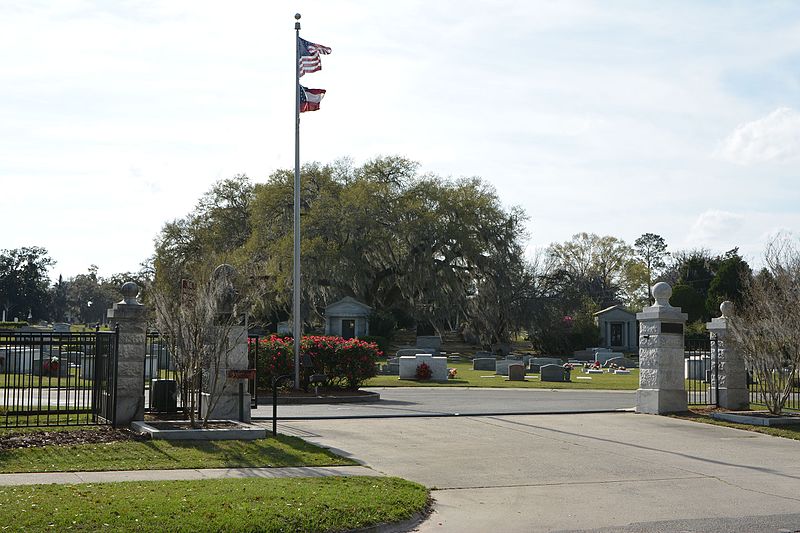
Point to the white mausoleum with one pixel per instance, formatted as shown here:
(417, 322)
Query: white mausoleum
(618, 329)
(347, 318)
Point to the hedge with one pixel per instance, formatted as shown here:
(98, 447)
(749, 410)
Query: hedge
(346, 363)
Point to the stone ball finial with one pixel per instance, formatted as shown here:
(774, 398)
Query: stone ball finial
(726, 308)
(662, 292)
(130, 291)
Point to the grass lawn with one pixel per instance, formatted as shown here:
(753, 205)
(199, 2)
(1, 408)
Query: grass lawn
(466, 377)
(299, 504)
(23, 381)
(161, 454)
(703, 416)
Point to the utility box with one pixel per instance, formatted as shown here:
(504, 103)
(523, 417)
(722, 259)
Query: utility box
(164, 395)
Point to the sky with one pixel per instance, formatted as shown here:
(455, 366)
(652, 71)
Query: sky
(611, 117)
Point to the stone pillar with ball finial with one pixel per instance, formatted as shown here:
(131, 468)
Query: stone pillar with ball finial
(129, 315)
(661, 360)
(728, 374)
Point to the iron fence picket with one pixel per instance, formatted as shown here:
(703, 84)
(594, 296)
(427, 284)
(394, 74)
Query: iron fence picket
(698, 363)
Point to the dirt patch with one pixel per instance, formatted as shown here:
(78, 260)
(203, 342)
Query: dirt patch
(11, 441)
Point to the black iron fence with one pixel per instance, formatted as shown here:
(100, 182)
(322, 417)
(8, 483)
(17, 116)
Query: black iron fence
(52, 379)
(164, 390)
(253, 360)
(757, 388)
(699, 360)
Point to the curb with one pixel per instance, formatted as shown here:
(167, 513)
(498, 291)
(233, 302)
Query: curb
(409, 524)
(315, 400)
(444, 415)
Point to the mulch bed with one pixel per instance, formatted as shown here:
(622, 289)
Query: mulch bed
(11, 441)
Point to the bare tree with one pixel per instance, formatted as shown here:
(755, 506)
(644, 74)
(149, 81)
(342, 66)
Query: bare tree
(198, 325)
(766, 330)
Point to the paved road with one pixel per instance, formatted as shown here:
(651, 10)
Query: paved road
(595, 472)
(438, 401)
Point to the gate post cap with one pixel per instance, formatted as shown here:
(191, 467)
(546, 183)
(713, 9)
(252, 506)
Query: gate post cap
(129, 292)
(727, 308)
(662, 292)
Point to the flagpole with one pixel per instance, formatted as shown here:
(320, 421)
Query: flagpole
(296, 320)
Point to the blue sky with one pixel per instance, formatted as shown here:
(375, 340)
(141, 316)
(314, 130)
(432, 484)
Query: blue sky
(618, 118)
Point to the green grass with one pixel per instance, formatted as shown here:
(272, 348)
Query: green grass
(466, 377)
(162, 454)
(299, 504)
(11, 422)
(700, 415)
(27, 381)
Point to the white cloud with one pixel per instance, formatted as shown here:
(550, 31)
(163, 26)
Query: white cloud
(714, 228)
(774, 138)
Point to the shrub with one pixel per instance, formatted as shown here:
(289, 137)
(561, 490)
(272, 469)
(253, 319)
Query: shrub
(275, 358)
(346, 363)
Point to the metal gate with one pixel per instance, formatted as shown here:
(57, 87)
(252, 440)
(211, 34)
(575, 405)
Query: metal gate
(701, 371)
(58, 379)
(164, 392)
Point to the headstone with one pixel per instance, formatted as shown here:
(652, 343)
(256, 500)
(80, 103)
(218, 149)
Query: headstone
(516, 372)
(535, 363)
(86, 366)
(696, 367)
(603, 356)
(19, 360)
(409, 364)
(429, 341)
(501, 366)
(71, 357)
(484, 363)
(621, 361)
(151, 366)
(415, 351)
(60, 327)
(555, 373)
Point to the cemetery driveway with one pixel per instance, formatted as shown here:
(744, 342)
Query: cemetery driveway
(464, 401)
(595, 472)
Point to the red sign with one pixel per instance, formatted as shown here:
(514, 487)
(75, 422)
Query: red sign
(242, 374)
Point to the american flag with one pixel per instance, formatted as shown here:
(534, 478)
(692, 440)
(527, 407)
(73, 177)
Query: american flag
(309, 56)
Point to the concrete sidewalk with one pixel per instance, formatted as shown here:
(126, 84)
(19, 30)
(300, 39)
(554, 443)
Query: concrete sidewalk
(183, 474)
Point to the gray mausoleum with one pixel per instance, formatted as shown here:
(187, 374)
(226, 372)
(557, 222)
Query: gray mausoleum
(618, 329)
(347, 318)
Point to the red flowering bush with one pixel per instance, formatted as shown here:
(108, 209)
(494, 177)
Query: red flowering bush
(346, 363)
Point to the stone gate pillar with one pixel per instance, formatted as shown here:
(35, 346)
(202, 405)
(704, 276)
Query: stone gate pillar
(230, 386)
(129, 315)
(728, 374)
(661, 360)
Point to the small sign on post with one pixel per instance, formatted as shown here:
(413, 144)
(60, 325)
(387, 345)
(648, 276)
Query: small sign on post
(249, 373)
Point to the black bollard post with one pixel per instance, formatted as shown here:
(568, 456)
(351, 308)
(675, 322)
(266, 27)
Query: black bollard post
(275, 381)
